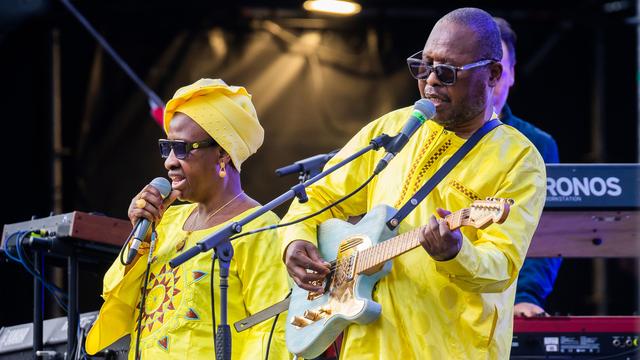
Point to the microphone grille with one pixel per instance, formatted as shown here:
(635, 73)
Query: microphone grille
(163, 185)
(426, 107)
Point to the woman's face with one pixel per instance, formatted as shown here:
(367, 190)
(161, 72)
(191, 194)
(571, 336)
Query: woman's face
(196, 176)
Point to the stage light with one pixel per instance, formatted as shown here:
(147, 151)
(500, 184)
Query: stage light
(334, 7)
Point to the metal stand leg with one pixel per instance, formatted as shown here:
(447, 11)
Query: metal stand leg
(72, 316)
(223, 335)
(37, 307)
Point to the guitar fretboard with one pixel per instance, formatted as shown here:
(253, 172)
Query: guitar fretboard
(387, 250)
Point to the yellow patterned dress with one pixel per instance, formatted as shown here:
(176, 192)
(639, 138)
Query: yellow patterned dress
(456, 309)
(177, 322)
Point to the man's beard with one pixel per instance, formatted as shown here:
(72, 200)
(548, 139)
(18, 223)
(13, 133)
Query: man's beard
(467, 111)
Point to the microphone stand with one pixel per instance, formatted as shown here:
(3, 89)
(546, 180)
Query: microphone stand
(220, 240)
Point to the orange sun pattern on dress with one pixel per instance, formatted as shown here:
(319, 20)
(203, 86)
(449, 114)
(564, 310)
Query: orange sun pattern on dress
(162, 298)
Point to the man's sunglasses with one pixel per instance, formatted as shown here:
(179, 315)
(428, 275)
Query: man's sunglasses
(446, 74)
(182, 148)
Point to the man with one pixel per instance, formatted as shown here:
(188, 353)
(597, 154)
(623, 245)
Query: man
(537, 275)
(453, 297)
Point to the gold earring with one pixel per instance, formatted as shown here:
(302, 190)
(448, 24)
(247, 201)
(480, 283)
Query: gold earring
(223, 171)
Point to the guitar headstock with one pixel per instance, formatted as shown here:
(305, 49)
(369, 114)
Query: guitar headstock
(483, 213)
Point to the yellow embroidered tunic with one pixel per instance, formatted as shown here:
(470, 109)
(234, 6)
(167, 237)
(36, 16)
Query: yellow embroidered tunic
(456, 309)
(177, 318)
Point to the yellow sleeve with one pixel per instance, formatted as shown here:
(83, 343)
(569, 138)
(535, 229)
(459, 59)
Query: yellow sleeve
(335, 186)
(492, 262)
(120, 292)
(264, 283)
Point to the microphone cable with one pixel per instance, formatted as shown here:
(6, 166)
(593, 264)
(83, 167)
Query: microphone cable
(273, 327)
(293, 222)
(125, 246)
(143, 296)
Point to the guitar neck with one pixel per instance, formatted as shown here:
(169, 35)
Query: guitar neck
(377, 255)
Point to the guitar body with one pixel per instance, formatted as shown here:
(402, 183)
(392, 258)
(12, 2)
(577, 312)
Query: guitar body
(347, 298)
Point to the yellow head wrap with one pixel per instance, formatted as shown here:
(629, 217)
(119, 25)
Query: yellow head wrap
(224, 112)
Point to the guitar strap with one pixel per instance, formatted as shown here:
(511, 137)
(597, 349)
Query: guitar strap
(441, 173)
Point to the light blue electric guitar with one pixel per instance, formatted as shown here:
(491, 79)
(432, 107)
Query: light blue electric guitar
(362, 254)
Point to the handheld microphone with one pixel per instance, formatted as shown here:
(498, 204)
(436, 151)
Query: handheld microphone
(423, 110)
(142, 226)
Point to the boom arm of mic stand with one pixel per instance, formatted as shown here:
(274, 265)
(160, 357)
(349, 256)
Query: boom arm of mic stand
(229, 230)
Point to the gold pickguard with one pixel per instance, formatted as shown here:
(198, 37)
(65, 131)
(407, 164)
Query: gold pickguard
(342, 299)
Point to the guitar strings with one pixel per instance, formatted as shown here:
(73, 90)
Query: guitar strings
(463, 213)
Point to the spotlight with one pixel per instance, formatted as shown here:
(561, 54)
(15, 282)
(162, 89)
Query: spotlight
(334, 7)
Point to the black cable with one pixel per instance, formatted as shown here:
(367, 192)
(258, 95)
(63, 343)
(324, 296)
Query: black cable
(57, 293)
(31, 268)
(125, 246)
(142, 310)
(25, 256)
(335, 348)
(20, 260)
(271, 227)
(273, 327)
(143, 296)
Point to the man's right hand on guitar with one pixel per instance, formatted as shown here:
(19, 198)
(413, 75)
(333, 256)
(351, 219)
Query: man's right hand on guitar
(305, 265)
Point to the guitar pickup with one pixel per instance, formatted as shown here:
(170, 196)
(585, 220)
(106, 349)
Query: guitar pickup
(351, 267)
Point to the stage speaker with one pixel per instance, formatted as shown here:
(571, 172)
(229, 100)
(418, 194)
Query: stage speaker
(16, 342)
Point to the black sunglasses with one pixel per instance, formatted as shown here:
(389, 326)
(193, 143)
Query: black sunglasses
(182, 148)
(446, 74)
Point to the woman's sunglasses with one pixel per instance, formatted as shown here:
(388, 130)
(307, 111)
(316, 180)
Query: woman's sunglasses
(182, 148)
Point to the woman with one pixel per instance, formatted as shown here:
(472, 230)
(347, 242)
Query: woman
(212, 129)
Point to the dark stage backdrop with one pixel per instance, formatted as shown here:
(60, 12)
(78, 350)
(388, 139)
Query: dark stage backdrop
(315, 81)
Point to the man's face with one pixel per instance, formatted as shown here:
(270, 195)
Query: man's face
(501, 91)
(467, 99)
(195, 176)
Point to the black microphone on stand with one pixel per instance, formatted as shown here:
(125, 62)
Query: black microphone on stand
(423, 110)
(142, 226)
(310, 164)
